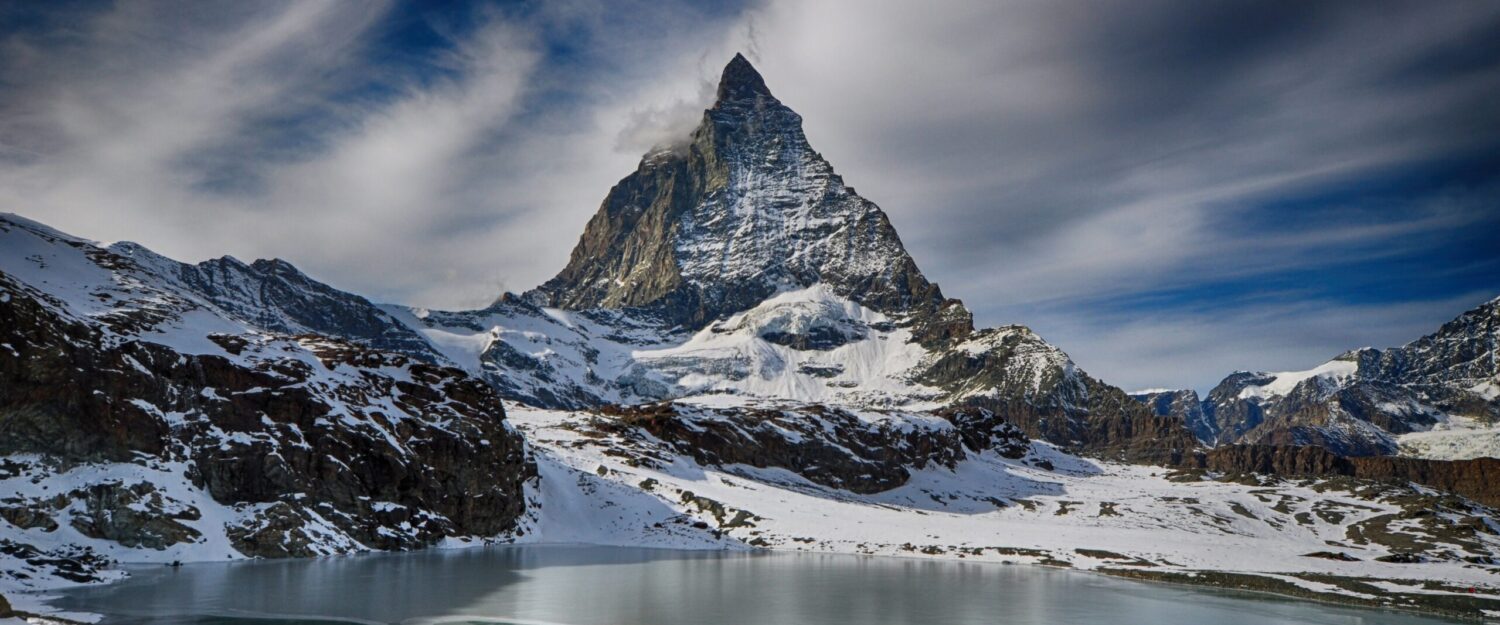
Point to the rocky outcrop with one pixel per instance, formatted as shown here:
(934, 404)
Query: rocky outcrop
(1232, 417)
(861, 453)
(1477, 479)
(134, 516)
(1184, 406)
(369, 449)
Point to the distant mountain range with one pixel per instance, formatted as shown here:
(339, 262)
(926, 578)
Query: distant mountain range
(1438, 396)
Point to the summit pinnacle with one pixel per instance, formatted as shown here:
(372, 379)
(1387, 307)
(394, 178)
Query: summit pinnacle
(741, 81)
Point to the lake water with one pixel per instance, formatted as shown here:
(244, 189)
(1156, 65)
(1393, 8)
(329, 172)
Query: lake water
(618, 586)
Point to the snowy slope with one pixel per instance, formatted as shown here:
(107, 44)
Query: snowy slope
(1067, 511)
(1333, 372)
(807, 345)
(1453, 438)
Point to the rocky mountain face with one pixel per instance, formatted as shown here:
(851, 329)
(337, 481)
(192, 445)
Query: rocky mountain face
(139, 412)
(1033, 384)
(1183, 405)
(739, 262)
(742, 210)
(1364, 402)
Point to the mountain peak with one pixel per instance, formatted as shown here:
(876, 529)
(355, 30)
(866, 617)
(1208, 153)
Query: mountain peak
(740, 81)
(747, 209)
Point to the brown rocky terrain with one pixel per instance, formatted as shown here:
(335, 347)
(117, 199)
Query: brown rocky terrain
(1477, 479)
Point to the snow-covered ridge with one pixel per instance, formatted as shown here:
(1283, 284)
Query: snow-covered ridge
(805, 344)
(1373, 401)
(1152, 391)
(125, 280)
(1335, 371)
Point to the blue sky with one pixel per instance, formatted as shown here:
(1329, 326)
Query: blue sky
(1168, 190)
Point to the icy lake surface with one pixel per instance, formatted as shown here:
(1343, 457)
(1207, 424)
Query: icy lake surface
(621, 586)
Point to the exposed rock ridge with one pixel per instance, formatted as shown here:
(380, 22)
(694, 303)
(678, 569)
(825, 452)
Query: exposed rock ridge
(1477, 479)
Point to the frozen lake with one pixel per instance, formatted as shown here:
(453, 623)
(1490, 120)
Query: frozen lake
(582, 585)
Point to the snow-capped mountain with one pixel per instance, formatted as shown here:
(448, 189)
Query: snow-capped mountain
(170, 411)
(738, 262)
(742, 209)
(1437, 397)
(740, 353)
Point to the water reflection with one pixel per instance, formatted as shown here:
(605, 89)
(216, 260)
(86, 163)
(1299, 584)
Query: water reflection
(620, 586)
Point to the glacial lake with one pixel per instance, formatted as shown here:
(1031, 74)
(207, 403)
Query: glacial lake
(581, 585)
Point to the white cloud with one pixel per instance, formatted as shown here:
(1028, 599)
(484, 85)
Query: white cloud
(1038, 158)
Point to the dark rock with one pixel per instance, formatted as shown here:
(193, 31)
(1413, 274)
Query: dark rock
(1184, 406)
(29, 517)
(134, 516)
(822, 371)
(260, 429)
(1401, 558)
(824, 444)
(1477, 479)
(1331, 555)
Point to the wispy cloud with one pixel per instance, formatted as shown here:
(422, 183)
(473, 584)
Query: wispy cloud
(1166, 193)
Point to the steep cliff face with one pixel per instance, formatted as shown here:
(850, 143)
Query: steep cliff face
(1477, 479)
(1185, 406)
(743, 209)
(139, 419)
